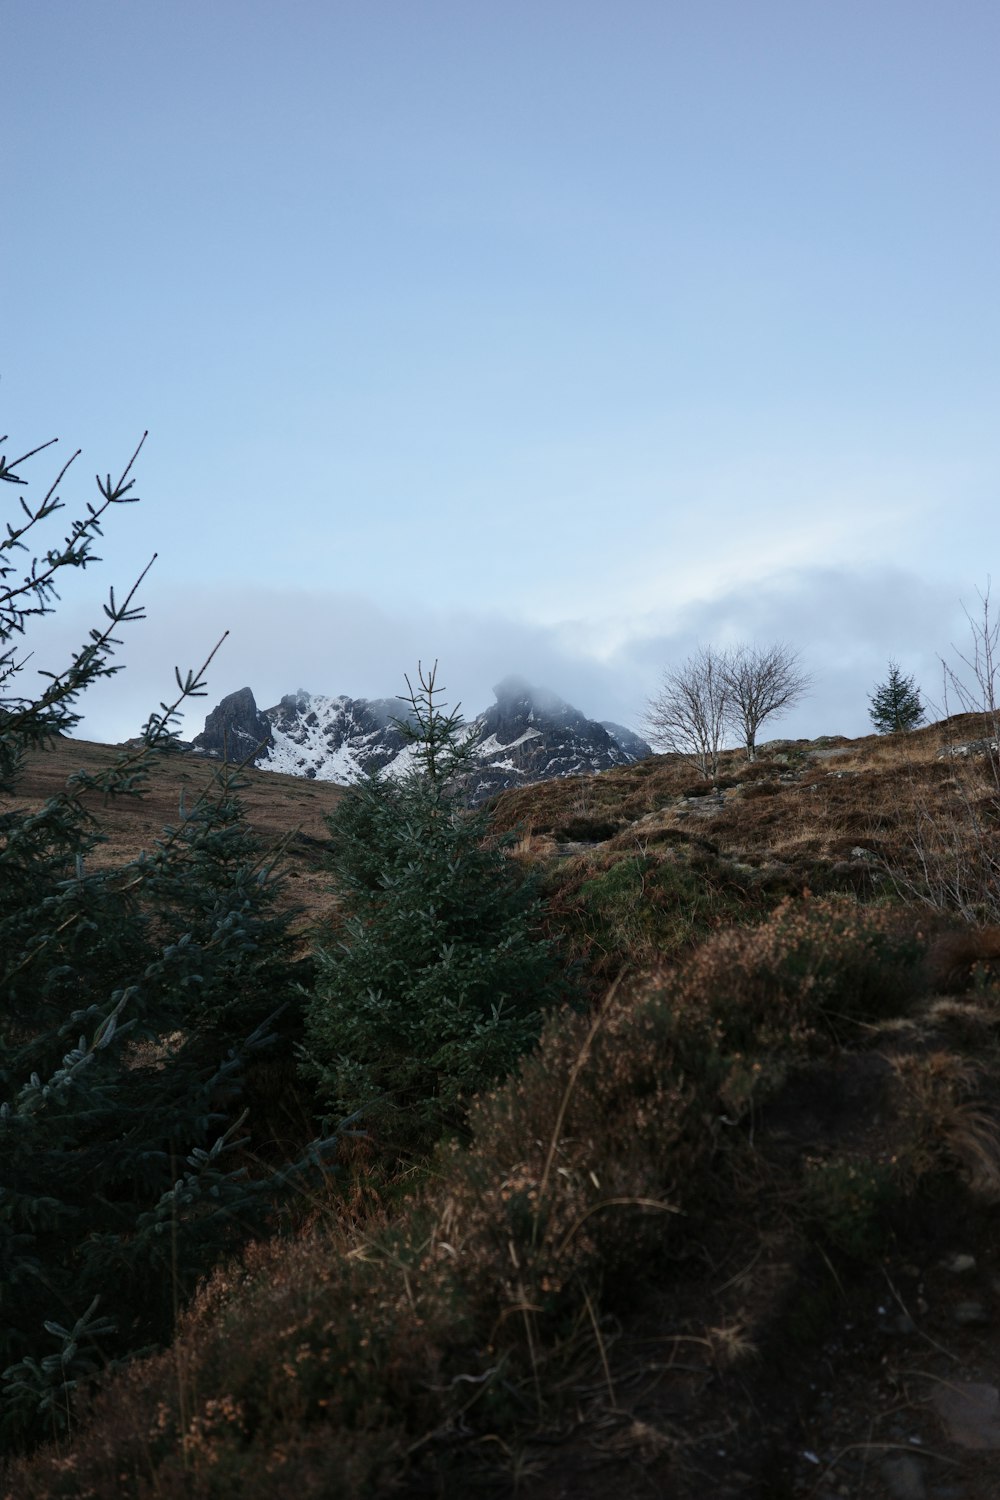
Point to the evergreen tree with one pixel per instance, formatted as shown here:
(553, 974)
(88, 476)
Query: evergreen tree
(895, 705)
(439, 978)
(121, 1022)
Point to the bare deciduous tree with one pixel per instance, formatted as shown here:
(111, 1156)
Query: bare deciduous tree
(688, 714)
(983, 661)
(735, 689)
(954, 856)
(760, 681)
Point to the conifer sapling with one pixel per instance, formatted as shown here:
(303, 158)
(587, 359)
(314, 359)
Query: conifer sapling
(895, 705)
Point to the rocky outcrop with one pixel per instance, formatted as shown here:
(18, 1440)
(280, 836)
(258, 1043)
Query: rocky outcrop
(236, 730)
(530, 734)
(631, 743)
(335, 739)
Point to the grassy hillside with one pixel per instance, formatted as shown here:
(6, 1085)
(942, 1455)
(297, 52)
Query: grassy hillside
(276, 805)
(730, 1230)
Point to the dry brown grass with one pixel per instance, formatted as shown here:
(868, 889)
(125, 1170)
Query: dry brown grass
(950, 1105)
(277, 806)
(871, 788)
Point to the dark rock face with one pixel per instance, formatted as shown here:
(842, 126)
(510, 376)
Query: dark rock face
(236, 730)
(531, 734)
(630, 742)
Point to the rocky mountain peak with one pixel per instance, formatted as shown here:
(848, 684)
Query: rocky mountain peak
(296, 703)
(529, 734)
(518, 698)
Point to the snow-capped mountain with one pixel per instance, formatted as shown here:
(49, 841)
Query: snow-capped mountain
(529, 734)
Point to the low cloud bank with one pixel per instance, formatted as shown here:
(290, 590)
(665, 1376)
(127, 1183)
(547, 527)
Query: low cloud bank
(845, 623)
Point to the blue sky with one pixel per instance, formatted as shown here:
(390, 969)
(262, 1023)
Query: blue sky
(551, 338)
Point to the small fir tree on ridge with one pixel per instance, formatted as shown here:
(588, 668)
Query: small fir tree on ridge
(895, 705)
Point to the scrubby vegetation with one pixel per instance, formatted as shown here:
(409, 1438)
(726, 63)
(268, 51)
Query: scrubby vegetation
(134, 998)
(568, 1244)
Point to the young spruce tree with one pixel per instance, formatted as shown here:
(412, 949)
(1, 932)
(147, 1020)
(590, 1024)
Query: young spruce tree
(895, 705)
(130, 996)
(439, 979)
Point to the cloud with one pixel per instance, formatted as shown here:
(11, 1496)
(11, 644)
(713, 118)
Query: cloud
(328, 642)
(846, 623)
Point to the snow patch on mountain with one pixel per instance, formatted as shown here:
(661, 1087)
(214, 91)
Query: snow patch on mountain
(492, 746)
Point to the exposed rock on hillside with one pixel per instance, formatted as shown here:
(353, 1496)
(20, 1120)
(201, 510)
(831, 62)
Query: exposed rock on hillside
(531, 734)
(236, 729)
(334, 739)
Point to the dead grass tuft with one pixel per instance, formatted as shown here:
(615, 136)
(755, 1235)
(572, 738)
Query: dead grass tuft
(963, 959)
(945, 1102)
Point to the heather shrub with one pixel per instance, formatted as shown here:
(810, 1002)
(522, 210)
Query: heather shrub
(334, 1366)
(633, 908)
(578, 1163)
(579, 1160)
(757, 789)
(808, 974)
(305, 1370)
(583, 829)
(324, 1367)
(849, 1203)
(965, 957)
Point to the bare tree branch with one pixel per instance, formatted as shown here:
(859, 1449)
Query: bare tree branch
(760, 681)
(983, 662)
(689, 713)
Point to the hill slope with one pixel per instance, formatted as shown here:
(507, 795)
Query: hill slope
(277, 806)
(731, 1232)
